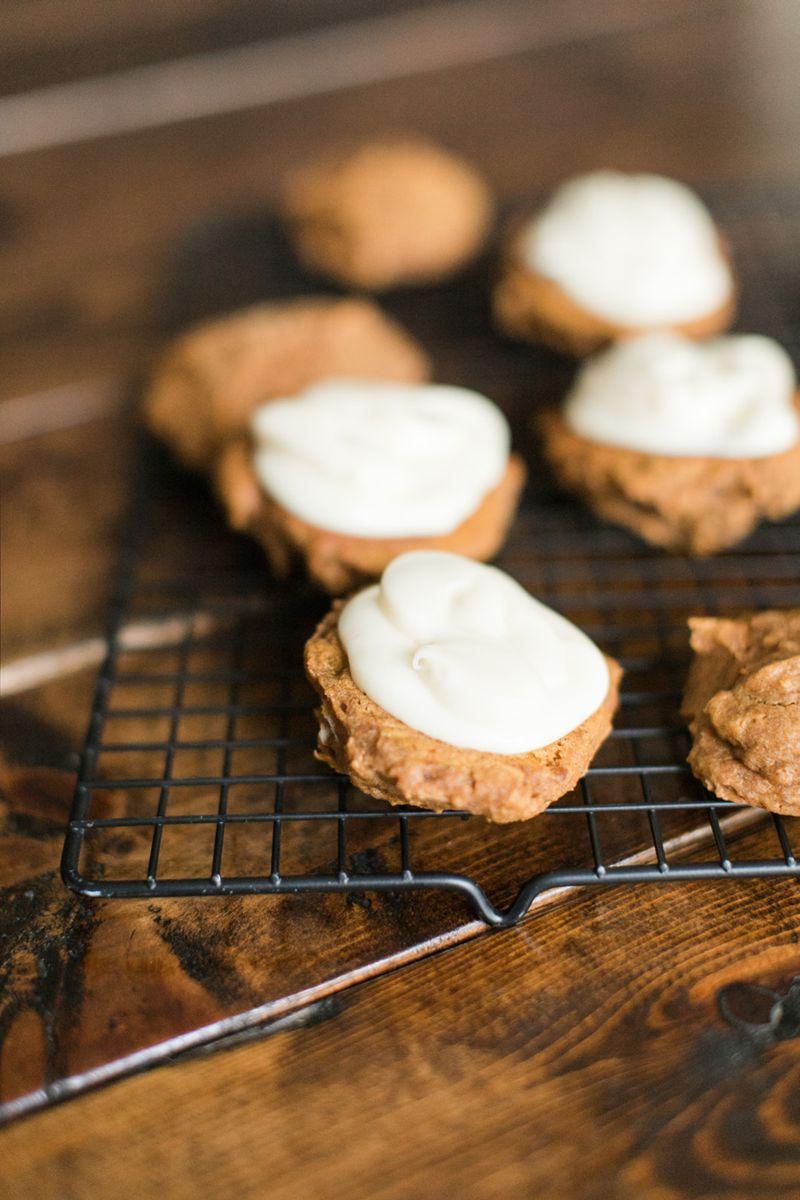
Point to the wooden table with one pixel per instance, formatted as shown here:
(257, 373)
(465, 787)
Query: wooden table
(284, 1046)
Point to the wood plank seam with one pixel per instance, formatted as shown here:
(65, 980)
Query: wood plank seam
(268, 1015)
(308, 1005)
(339, 57)
(57, 408)
(22, 674)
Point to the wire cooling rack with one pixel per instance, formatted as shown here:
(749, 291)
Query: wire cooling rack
(198, 776)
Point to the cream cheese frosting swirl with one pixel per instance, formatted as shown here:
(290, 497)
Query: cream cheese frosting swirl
(664, 394)
(459, 651)
(641, 250)
(378, 459)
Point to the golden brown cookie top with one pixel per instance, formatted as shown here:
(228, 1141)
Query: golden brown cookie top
(210, 380)
(750, 641)
(744, 693)
(391, 211)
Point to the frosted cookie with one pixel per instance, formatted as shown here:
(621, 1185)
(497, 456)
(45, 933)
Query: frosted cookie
(614, 255)
(742, 703)
(447, 686)
(211, 379)
(350, 473)
(688, 445)
(394, 211)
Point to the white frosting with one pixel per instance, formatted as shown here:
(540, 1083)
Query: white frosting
(461, 652)
(377, 459)
(638, 249)
(664, 394)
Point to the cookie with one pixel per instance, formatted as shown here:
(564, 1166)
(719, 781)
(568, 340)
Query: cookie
(389, 759)
(209, 382)
(389, 212)
(339, 562)
(742, 703)
(613, 255)
(532, 308)
(688, 445)
(688, 505)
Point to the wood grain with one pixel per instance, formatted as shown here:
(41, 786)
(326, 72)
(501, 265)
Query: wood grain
(579, 1056)
(85, 984)
(65, 499)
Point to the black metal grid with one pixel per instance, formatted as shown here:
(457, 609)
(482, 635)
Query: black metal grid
(204, 664)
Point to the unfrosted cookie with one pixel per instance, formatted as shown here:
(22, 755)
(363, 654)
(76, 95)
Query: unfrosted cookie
(211, 379)
(742, 703)
(559, 697)
(346, 476)
(688, 446)
(392, 211)
(611, 256)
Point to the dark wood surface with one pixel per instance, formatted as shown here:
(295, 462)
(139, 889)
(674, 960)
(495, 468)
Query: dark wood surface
(55, 42)
(580, 1055)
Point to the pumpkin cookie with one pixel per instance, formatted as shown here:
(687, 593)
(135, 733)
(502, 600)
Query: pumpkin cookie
(348, 475)
(689, 446)
(211, 379)
(742, 703)
(612, 256)
(393, 211)
(447, 686)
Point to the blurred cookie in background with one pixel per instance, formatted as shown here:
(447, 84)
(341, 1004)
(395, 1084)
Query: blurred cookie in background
(610, 256)
(388, 212)
(211, 379)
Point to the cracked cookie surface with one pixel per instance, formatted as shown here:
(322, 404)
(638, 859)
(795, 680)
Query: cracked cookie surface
(211, 379)
(742, 702)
